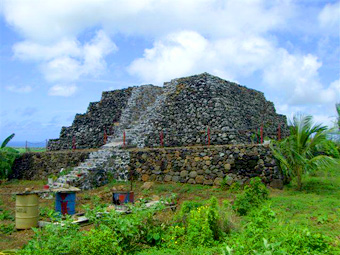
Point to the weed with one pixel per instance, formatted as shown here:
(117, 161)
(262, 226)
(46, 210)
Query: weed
(95, 200)
(7, 228)
(86, 196)
(6, 215)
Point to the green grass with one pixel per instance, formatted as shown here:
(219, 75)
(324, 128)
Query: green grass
(23, 150)
(317, 206)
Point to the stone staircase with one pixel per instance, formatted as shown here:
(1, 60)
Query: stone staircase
(111, 160)
(138, 127)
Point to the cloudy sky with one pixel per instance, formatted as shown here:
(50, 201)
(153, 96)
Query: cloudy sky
(57, 56)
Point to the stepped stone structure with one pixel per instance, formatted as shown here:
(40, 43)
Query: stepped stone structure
(185, 112)
(182, 110)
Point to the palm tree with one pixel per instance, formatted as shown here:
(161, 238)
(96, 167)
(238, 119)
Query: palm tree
(296, 153)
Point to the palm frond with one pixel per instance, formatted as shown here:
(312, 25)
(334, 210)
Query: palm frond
(5, 142)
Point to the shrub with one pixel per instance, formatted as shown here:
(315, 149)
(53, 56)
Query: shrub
(198, 225)
(54, 239)
(235, 187)
(100, 241)
(199, 232)
(260, 237)
(253, 195)
(186, 207)
(327, 148)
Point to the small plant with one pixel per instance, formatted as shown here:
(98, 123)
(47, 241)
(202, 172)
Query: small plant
(253, 195)
(95, 200)
(235, 187)
(7, 228)
(51, 214)
(54, 239)
(6, 215)
(224, 184)
(86, 196)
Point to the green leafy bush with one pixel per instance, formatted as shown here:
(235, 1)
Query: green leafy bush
(327, 148)
(55, 239)
(253, 195)
(139, 227)
(199, 231)
(259, 236)
(235, 187)
(198, 225)
(100, 241)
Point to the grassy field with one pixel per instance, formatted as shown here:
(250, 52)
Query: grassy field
(316, 208)
(32, 149)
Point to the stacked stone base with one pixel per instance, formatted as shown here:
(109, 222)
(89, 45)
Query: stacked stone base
(206, 165)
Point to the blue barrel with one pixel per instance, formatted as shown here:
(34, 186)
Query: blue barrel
(122, 197)
(65, 203)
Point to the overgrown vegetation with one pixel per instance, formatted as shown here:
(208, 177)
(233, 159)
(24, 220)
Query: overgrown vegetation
(7, 157)
(252, 223)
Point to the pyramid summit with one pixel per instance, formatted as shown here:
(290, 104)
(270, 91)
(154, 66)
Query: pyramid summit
(181, 112)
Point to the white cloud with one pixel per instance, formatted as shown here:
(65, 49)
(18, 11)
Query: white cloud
(175, 56)
(296, 77)
(62, 90)
(33, 51)
(62, 69)
(95, 51)
(188, 52)
(18, 89)
(329, 18)
(48, 20)
(68, 60)
(324, 114)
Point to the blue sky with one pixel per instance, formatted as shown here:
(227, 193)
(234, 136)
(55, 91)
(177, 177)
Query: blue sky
(57, 56)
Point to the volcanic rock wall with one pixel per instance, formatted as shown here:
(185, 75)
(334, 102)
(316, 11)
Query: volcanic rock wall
(233, 113)
(87, 129)
(39, 165)
(207, 164)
